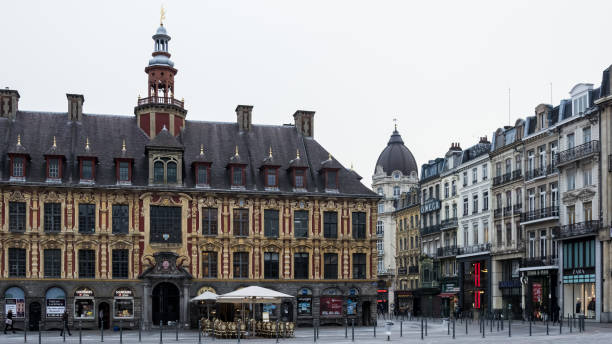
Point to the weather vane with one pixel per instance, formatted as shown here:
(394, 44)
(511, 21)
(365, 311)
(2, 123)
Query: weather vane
(162, 15)
(395, 123)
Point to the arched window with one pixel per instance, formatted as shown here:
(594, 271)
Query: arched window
(55, 301)
(171, 170)
(14, 299)
(158, 172)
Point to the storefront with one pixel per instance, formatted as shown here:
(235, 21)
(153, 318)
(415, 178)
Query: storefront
(123, 304)
(579, 276)
(475, 291)
(330, 306)
(14, 301)
(84, 305)
(404, 301)
(540, 293)
(55, 302)
(352, 302)
(510, 287)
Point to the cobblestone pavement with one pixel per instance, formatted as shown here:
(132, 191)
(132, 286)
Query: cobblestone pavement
(437, 332)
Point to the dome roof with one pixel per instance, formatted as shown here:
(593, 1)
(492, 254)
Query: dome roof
(161, 30)
(396, 157)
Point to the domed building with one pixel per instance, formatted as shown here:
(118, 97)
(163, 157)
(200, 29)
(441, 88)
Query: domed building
(396, 172)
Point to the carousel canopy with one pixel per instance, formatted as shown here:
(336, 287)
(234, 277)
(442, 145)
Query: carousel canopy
(252, 294)
(205, 296)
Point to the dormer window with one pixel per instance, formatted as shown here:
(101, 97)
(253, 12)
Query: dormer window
(165, 171)
(331, 179)
(299, 179)
(271, 177)
(18, 167)
(87, 169)
(171, 172)
(579, 104)
(53, 168)
(202, 174)
(158, 172)
(238, 176)
(123, 171)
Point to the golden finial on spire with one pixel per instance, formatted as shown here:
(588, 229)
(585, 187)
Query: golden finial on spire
(297, 155)
(123, 149)
(87, 143)
(162, 15)
(201, 149)
(329, 156)
(236, 154)
(54, 142)
(19, 140)
(395, 123)
(351, 166)
(270, 152)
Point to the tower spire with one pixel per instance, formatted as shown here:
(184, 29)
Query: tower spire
(162, 15)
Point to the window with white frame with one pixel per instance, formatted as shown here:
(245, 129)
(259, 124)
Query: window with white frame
(531, 199)
(579, 104)
(554, 194)
(542, 196)
(570, 141)
(474, 175)
(542, 157)
(485, 200)
(532, 253)
(465, 178)
(587, 174)
(586, 134)
(571, 179)
(474, 204)
(475, 233)
(485, 172)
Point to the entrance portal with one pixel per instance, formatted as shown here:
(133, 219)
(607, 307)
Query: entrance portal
(35, 313)
(166, 303)
(104, 315)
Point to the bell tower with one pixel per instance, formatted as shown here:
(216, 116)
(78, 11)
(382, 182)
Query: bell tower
(160, 108)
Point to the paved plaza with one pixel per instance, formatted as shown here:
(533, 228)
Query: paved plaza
(411, 333)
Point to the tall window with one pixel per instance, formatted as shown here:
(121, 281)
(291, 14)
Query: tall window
(209, 264)
(518, 161)
(543, 244)
(498, 234)
(121, 218)
(466, 237)
(446, 190)
(571, 214)
(359, 225)
(465, 206)
(330, 261)
(271, 223)
(498, 169)
(532, 252)
(542, 157)
(300, 263)
(124, 171)
(237, 176)
(485, 200)
(508, 198)
(331, 179)
(271, 177)
(530, 160)
(299, 178)
(158, 172)
(588, 211)
(53, 263)
(570, 141)
(53, 168)
(586, 134)
(475, 234)
(87, 218)
(18, 167)
(165, 224)
(465, 178)
(87, 264)
(587, 174)
(454, 209)
(241, 265)
(300, 223)
(474, 204)
(571, 179)
(202, 175)
(474, 175)
(453, 188)
(330, 225)
(53, 217)
(485, 172)
(542, 196)
(87, 172)
(359, 265)
(17, 262)
(241, 222)
(270, 265)
(171, 176)
(17, 216)
(121, 263)
(209, 221)
(508, 234)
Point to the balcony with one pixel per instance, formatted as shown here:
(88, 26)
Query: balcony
(580, 229)
(541, 172)
(517, 209)
(161, 100)
(497, 212)
(449, 251)
(413, 269)
(540, 215)
(579, 152)
(430, 230)
(507, 177)
(402, 271)
(475, 249)
(513, 247)
(448, 223)
(539, 261)
(508, 211)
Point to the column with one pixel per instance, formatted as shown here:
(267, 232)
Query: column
(146, 305)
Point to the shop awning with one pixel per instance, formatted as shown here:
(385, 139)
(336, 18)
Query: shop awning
(447, 295)
(253, 294)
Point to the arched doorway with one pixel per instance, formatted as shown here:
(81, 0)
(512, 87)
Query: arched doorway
(365, 313)
(104, 314)
(166, 303)
(35, 314)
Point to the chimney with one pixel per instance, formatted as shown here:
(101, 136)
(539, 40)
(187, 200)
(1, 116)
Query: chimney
(304, 122)
(9, 101)
(75, 106)
(484, 140)
(243, 114)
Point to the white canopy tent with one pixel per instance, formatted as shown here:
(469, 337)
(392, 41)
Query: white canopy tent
(253, 294)
(205, 296)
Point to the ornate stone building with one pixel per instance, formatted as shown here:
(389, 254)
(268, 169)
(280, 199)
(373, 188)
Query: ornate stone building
(128, 217)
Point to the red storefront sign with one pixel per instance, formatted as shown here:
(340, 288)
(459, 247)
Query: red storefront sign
(536, 292)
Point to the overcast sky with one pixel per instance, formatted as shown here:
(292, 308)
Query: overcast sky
(443, 69)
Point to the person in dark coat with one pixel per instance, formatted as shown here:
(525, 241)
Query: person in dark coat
(8, 322)
(65, 324)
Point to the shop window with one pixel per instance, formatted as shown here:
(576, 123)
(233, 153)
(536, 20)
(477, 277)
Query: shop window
(87, 218)
(84, 304)
(17, 216)
(304, 302)
(87, 264)
(241, 265)
(209, 264)
(270, 265)
(123, 306)
(300, 263)
(330, 225)
(271, 223)
(241, 222)
(209, 221)
(87, 170)
(330, 266)
(359, 225)
(300, 223)
(55, 303)
(53, 263)
(14, 301)
(121, 218)
(121, 263)
(165, 224)
(359, 265)
(53, 217)
(17, 262)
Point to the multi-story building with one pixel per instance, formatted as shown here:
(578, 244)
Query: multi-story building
(408, 250)
(507, 245)
(395, 173)
(578, 160)
(473, 256)
(128, 217)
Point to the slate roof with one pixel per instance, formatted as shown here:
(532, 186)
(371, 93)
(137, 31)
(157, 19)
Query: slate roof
(396, 157)
(106, 134)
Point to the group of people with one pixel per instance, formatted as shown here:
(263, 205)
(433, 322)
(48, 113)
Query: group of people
(8, 323)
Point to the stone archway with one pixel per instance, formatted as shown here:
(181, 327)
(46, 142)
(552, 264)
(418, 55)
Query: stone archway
(165, 303)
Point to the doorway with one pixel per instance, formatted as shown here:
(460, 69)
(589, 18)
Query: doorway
(365, 313)
(166, 303)
(35, 313)
(104, 315)
(287, 311)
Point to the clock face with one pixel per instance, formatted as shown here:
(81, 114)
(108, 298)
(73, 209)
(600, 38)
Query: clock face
(165, 264)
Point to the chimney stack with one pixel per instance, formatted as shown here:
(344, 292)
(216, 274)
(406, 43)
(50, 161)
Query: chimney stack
(304, 122)
(9, 101)
(75, 106)
(243, 114)
(484, 139)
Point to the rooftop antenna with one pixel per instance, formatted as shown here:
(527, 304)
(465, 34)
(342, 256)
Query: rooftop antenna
(508, 105)
(551, 101)
(395, 123)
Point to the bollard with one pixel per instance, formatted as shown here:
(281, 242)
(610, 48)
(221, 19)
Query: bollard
(314, 333)
(583, 323)
(509, 327)
(25, 331)
(547, 327)
(453, 328)
(199, 332)
(140, 332)
(101, 330)
(401, 328)
(529, 326)
(425, 327)
(569, 322)
(497, 324)
(483, 327)
(161, 330)
(278, 329)
(120, 332)
(177, 330)
(375, 329)
(421, 328)
(238, 330)
(80, 332)
(466, 327)
(447, 328)
(352, 330)
(345, 328)
(39, 335)
(64, 326)
(561, 324)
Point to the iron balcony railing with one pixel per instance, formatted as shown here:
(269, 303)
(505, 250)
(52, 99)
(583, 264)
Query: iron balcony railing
(507, 177)
(161, 100)
(518, 208)
(380, 234)
(448, 223)
(541, 172)
(402, 271)
(475, 249)
(508, 211)
(497, 213)
(447, 251)
(413, 269)
(578, 152)
(501, 247)
(540, 214)
(430, 229)
(539, 261)
(578, 229)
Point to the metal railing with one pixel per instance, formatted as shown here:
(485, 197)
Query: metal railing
(497, 212)
(539, 261)
(539, 214)
(413, 269)
(581, 228)
(448, 223)
(578, 152)
(508, 210)
(430, 229)
(541, 172)
(161, 100)
(517, 209)
(475, 249)
(507, 177)
(447, 251)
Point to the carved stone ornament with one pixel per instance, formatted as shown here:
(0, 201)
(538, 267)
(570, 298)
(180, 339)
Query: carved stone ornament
(168, 265)
(569, 198)
(16, 196)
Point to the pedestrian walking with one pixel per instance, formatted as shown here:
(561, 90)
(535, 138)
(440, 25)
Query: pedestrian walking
(65, 324)
(8, 322)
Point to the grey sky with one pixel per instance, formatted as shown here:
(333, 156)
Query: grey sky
(442, 68)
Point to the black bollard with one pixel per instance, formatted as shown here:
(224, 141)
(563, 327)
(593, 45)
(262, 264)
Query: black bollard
(161, 330)
(140, 332)
(101, 331)
(483, 327)
(120, 332)
(277, 330)
(509, 327)
(374, 329)
(314, 332)
(345, 328)
(401, 328)
(502, 323)
(447, 328)
(530, 327)
(199, 332)
(583, 324)
(25, 331)
(352, 330)
(547, 327)
(569, 322)
(177, 330)
(497, 324)
(421, 328)
(39, 336)
(425, 327)
(65, 326)
(561, 324)
(466, 327)
(80, 332)
(453, 328)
